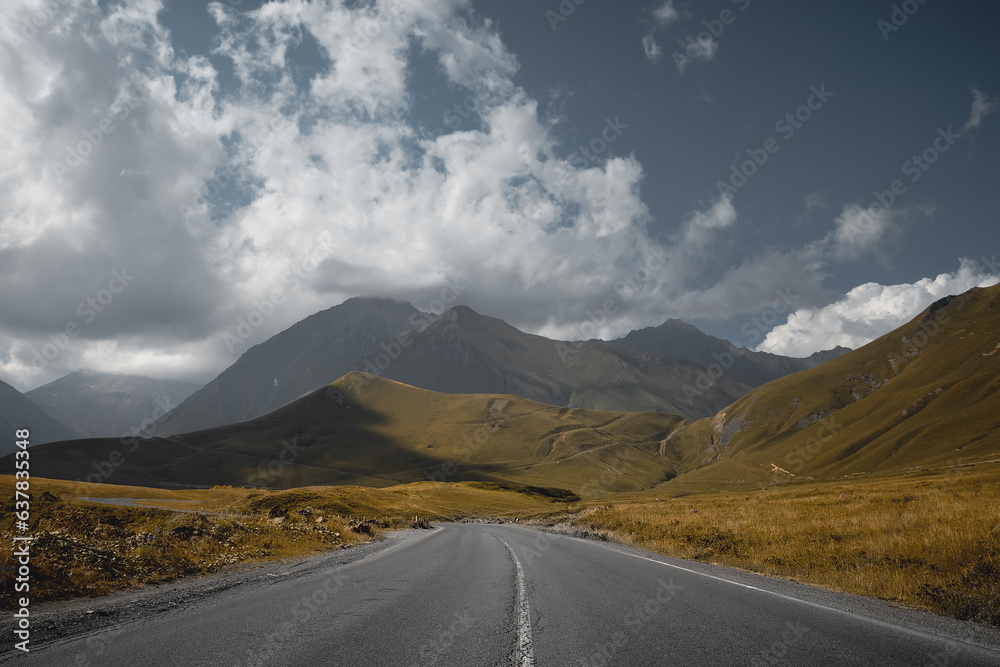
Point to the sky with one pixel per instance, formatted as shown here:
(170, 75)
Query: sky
(181, 180)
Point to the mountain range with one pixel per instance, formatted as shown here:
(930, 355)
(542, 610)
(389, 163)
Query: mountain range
(923, 397)
(668, 369)
(109, 404)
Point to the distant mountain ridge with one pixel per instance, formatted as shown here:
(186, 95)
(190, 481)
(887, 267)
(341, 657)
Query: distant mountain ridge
(461, 351)
(679, 340)
(17, 412)
(921, 398)
(109, 404)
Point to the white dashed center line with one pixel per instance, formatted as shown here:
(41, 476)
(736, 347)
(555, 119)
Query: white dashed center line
(524, 655)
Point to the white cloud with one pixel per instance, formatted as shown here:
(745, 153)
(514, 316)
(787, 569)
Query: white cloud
(862, 231)
(651, 48)
(759, 279)
(666, 13)
(700, 228)
(867, 312)
(216, 199)
(696, 49)
(536, 236)
(981, 107)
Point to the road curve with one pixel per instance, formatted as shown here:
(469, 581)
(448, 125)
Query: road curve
(479, 595)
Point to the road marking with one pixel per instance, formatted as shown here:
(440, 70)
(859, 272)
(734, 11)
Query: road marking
(524, 655)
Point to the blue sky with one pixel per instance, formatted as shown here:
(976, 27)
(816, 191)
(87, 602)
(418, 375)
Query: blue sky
(575, 169)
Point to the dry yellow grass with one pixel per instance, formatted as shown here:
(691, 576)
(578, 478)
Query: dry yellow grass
(932, 542)
(83, 548)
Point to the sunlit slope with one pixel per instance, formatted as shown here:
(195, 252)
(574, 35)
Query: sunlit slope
(923, 396)
(372, 431)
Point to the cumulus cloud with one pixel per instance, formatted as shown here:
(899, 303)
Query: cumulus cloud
(150, 208)
(869, 311)
(795, 275)
(981, 107)
(216, 202)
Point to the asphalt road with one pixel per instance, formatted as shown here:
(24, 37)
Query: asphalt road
(477, 595)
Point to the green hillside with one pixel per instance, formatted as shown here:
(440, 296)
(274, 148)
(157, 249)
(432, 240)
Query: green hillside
(922, 397)
(372, 431)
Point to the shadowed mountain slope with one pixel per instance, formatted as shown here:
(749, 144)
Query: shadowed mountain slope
(17, 412)
(371, 431)
(108, 404)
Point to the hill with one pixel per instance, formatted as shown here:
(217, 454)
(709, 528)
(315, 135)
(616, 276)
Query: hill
(308, 355)
(17, 412)
(373, 431)
(922, 397)
(109, 404)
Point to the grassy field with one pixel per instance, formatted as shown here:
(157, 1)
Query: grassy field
(931, 541)
(89, 549)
